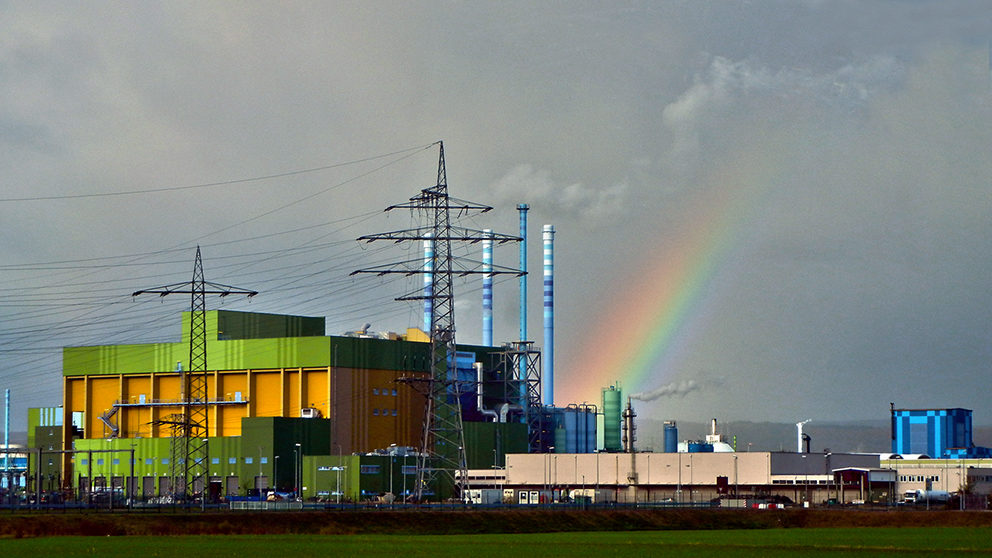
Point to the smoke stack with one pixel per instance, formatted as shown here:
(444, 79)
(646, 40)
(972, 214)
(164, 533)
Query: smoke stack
(487, 288)
(629, 428)
(6, 432)
(522, 209)
(713, 437)
(428, 285)
(548, 357)
(799, 435)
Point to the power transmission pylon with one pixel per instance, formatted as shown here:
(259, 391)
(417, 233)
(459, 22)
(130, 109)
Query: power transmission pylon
(191, 427)
(442, 455)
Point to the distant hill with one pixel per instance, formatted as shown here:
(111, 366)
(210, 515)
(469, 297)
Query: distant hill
(873, 436)
(862, 437)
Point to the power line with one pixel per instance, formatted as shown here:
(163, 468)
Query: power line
(209, 184)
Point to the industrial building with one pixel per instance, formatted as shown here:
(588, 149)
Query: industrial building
(279, 392)
(685, 477)
(936, 433)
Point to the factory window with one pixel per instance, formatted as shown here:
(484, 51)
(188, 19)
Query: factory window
(215, 460)
(149, 461)
(385, 412)
(99, 462)
(375, 412)
(394, 393)
(375, 391)
(232, 460)
(369, 470)
(409, 470)
(117, 461)
(265, 460)
(165, 461)
(84, 461)
(248, 461)
(394, 412)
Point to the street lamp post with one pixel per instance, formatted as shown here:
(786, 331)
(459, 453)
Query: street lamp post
(736, 481)
(296, 470)
(338, 470)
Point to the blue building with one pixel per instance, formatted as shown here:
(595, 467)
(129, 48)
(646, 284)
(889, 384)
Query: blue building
(938, 433)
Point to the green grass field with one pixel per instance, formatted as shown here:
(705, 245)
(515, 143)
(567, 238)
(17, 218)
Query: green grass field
(902, 542)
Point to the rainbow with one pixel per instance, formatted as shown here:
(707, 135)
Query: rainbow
(655, 316)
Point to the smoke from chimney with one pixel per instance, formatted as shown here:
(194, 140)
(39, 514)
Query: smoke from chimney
(681, 389)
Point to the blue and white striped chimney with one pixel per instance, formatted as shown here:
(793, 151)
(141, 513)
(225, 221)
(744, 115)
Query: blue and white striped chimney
(428, 285)
(548, 357)
(522, 209)
(487, 288)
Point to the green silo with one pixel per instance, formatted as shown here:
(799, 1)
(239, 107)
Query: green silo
(611, 419)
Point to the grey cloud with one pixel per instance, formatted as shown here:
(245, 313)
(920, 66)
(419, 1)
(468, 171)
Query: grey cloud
(536, 186)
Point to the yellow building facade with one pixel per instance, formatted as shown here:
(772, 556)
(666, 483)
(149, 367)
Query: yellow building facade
(259, 365)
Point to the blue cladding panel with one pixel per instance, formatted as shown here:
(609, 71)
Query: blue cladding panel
(936, 432)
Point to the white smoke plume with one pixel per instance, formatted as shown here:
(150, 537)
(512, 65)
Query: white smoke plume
(538, 187)
(681, 389)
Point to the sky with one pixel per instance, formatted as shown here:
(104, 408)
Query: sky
(765, 211)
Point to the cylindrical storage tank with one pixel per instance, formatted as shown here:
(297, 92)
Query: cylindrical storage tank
(671, 436)
(700, 447)
(590, 430)
(571, 430)
(611, 419)
(560, 440)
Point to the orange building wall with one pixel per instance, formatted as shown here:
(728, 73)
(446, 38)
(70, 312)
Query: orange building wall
(359, 402)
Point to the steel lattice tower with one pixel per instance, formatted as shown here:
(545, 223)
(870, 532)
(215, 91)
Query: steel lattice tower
(442, 463)
(191, 428)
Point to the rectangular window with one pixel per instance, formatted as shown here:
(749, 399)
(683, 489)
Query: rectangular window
(84, 461)
(265, 460)
(215, 460)
(117, 461)
(149, 461)
(99, 462)
(375, 412)
(375, 391)
(394, 412)
(248, 461)
(369, 470)
(232, 460)
(409, 469)
(165, 461)
(394, 393)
